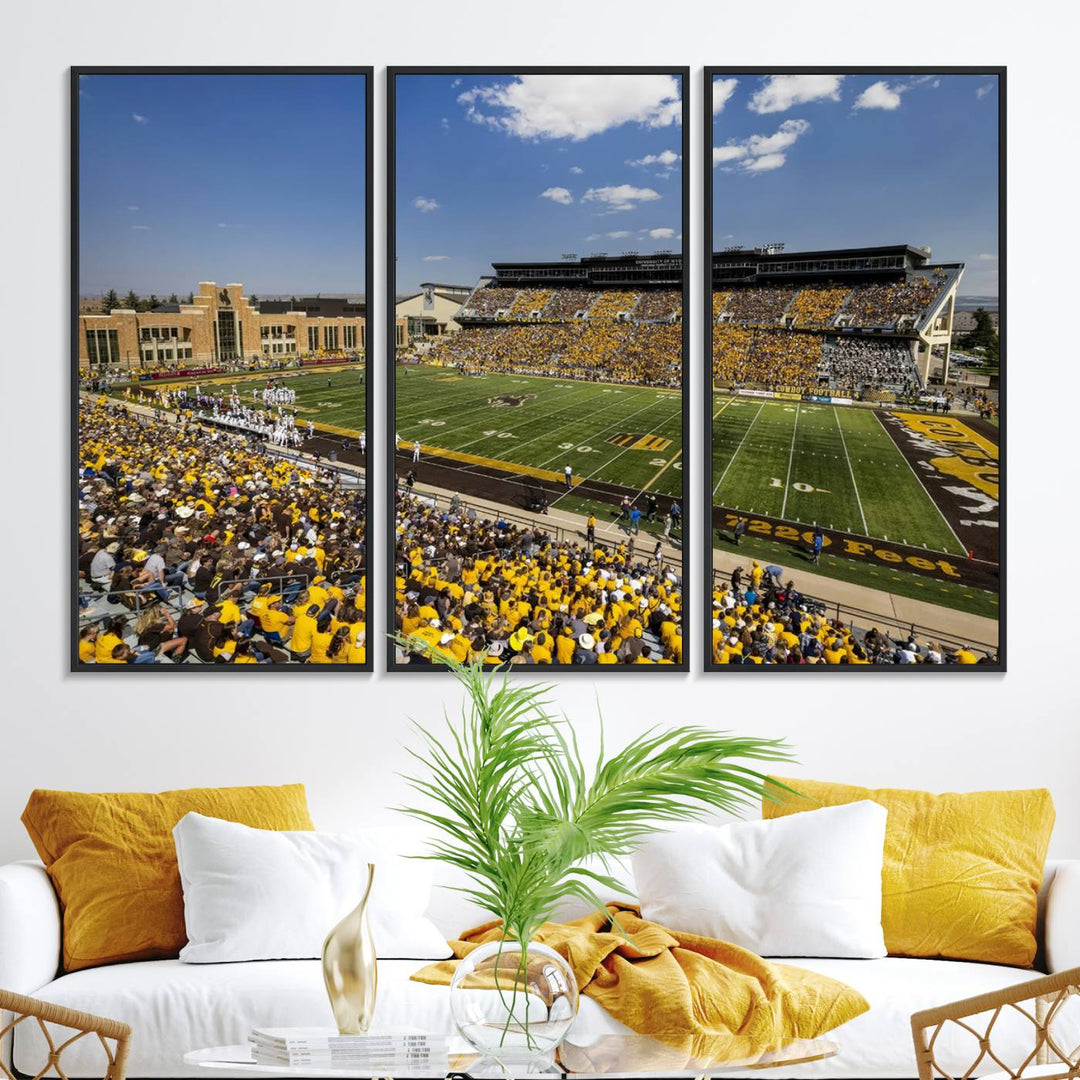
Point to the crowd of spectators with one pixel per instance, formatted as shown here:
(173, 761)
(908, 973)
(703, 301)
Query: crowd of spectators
(645, 354)
(758, 305)
(529, 300)
(811, 363)
(198, 542)
(610, 305)
(760, 619)
(851, 365)
(884, 304)
(660, 304)
(487, 302)
(773, 358)
(817, 308)
(472, 587)
(560, 305)
(812, 307)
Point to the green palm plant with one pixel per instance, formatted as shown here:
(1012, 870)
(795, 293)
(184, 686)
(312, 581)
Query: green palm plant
(515, 806)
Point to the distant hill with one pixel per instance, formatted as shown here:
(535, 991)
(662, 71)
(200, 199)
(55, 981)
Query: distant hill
(970, 303)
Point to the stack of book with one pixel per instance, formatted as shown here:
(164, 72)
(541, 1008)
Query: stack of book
(323, 1048)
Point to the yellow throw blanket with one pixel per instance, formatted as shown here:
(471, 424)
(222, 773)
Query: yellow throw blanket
(707, 999)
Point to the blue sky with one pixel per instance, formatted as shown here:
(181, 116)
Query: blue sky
(822, 161)
(499, 167)
(257, 179)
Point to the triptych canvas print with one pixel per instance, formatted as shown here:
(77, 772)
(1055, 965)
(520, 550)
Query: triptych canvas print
(535, 339)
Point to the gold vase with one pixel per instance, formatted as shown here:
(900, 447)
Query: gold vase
(349, 968)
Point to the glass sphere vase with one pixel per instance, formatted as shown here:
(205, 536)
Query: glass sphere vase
(514, 1004)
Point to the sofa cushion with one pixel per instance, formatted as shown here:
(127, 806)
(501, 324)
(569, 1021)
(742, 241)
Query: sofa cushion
(804, 885)
(272, 894)
(961, 872)
(175, 1007)
(112, 860)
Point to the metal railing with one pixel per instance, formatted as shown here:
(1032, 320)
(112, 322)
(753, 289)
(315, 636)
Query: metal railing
(858, 619)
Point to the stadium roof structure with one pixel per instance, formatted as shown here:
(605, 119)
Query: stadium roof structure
(761, 265)
(662, 271)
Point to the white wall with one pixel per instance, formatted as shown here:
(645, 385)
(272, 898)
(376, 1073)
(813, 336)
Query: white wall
(341, 734)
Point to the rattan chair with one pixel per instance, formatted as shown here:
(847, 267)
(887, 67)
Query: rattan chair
(114, 1037)
(1040, 1002)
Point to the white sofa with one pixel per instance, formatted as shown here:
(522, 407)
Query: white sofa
(175, 1007)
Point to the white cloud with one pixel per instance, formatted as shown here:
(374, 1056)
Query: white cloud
(436, 258)
(730, 152)
(139, 118)
(765, 163)
(662, 234)
(988, 258)
(558, 195)
(444, 123)
(621, 197)
(781, 92)
(618, 234)
(455, 84)
(722, 89)
(141, 228)
(133, 208)
(880, 95)
(667, 158)
(784, 136)
(425, 206)
(761, 153)
(577, 170)
(574, 106)
(983, 90)
(592, 236)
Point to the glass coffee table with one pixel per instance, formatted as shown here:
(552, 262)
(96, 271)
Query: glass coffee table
(629, 1056)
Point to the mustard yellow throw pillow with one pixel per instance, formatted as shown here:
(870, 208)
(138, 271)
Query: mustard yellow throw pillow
(961, 872)
(113, 864)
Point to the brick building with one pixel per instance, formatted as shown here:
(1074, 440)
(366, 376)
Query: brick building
(222, 325)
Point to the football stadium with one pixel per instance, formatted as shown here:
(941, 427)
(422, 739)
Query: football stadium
(222, 494)
(539, 467)
(843, 446)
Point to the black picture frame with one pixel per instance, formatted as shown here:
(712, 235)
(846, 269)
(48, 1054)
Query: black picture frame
(76, 72)
(707, 479)
(389, 443)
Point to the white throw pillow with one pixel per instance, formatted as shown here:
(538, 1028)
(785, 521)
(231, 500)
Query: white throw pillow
(258, 894)
(804, 885)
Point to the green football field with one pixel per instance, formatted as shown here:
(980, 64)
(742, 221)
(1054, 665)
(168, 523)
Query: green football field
(625, 435)
(821, 464)
(332, 398)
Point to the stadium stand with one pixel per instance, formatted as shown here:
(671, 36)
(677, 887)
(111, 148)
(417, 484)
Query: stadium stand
(617, 335)
(853, 365)
(758, 619)
(883, 305)
(815, 309)
(758, 306)
(198, 545)
(474, 586)
(529, 301)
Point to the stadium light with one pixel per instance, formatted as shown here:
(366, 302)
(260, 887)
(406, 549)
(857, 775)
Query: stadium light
(569, 255)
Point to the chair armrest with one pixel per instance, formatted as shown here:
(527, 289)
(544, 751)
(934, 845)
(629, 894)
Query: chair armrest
(29, 928)
(1062, 931)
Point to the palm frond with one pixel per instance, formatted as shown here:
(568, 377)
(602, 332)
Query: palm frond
(514, 806)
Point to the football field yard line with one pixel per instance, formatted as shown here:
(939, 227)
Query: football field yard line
(737, 449)
(791, 457)
(452, 408)
(854, 483)
(933, 503)
(621, 420)
(660, 472)
(544, 421)
(612, 460)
